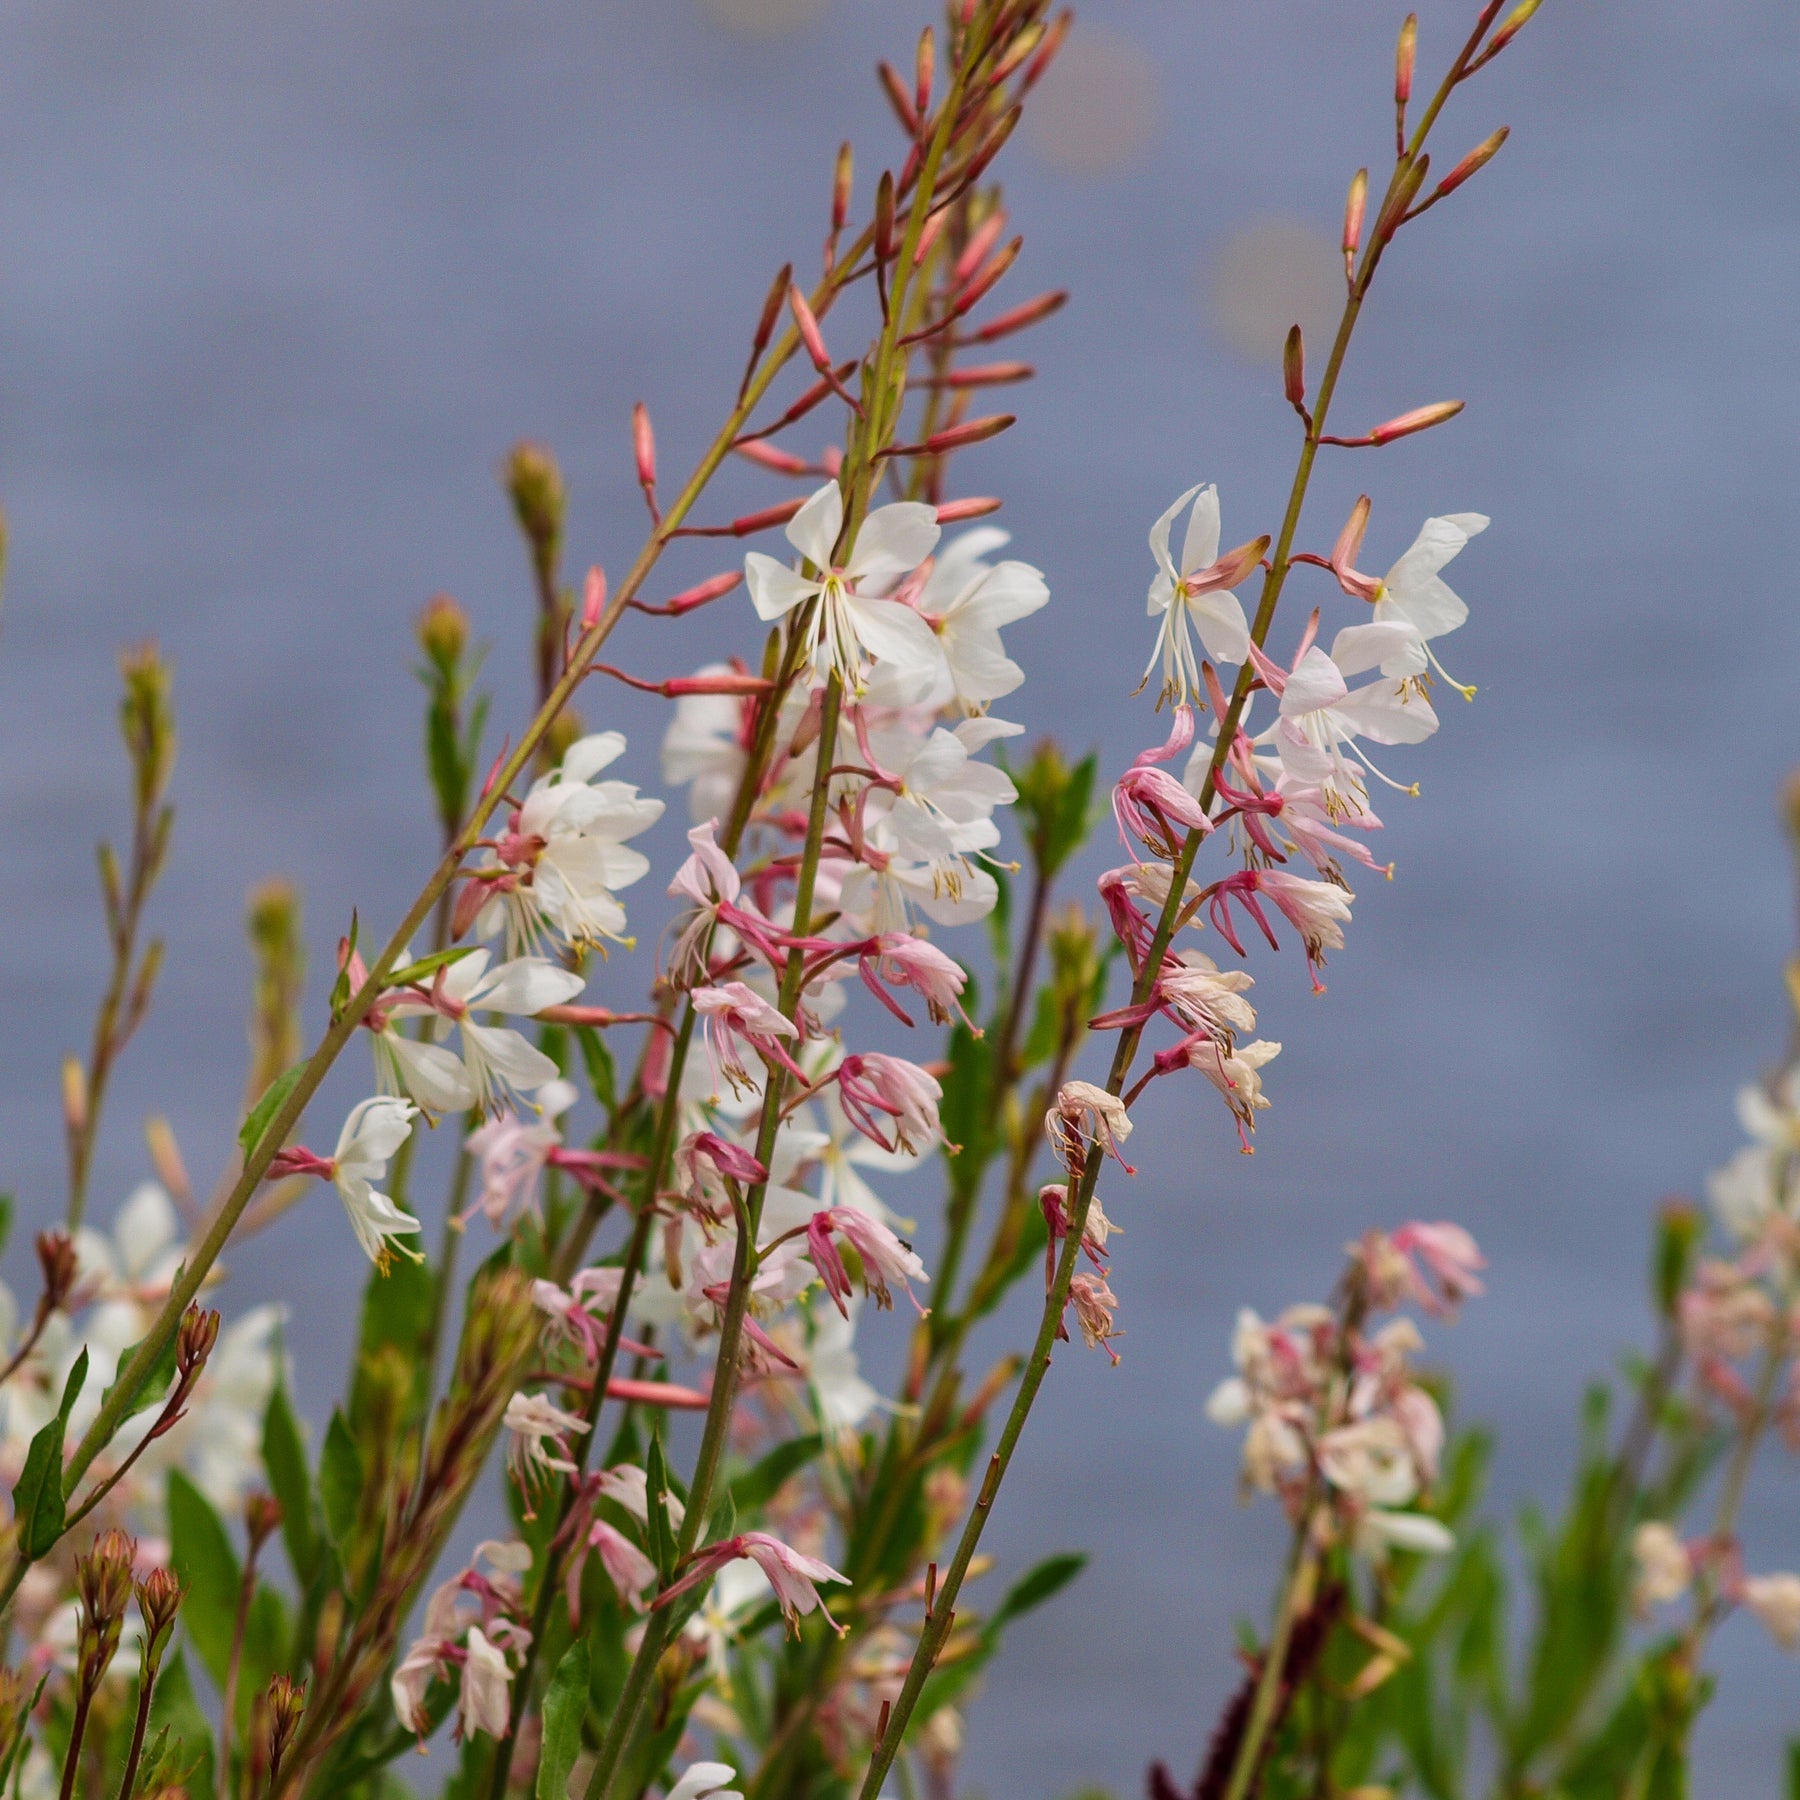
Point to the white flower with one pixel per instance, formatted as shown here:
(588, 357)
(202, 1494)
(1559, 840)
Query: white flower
(372, 1133)
(943, 803)
(1775, 1599)
(705, 1781)
(1664, 1566)
(966, 601)
(1414, 595)
(705, 747)
(493, 1056)
(485, 1703)
(1196, 593)
(565, 856)
(1379, 1530)
(540, 1440)
(852, 622)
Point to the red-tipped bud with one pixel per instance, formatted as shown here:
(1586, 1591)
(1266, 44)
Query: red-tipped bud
(984, 237)
(996, 141)
(1355, 203)
(643, 446)
(1405, 52)
(1478, 158)
(593, 599)
(842, 177)
(765, 326)
(1019, 318)
(1399, 201)
(1350, 540)
(747, 523)
(1054, 39)
(60, 1265)
(1510, 27)
(194, 1340)
(958, 437)
(898, 98)
(979, 375)
(159, 1598)
(923, 66)
(884, 217)
(808, 326)
(953, 512)
(700, 593)
(1293, 368)
(1421, 418)
(982, 283)
(933, 230)
(783, 462)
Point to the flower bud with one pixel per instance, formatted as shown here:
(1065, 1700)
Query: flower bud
(643, 446)
(842, 175)
(1679, 1230)
(1355, 203)
(565, 731)
(443, 632)
(1421, 418)
(60, 1265)
(74, 1096)
(103, 1582)
(198, 1332)
(923, 67)
(1405, 54)
(147, 721)
(159, 1599)
(1510, 27)
(1293, 368)
(535, 486)
(262, 1519)
(286, 1701)
(273, 926)
(1477, 159)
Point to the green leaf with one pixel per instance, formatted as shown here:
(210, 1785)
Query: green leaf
(17, 1747)
(175, 1708)
(154, 1388)
(340, 1480)
(565, 1701)
(39, 1505)
(203, 1558)
(1036, 1586)
(429, 965)
(284, 1461)
(758, 1484)
(656, 1482)
(601, 1075)
(274, 1096)
(6, 1219)
(967, 1109)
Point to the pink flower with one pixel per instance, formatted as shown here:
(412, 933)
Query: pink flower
(512, 1155)
(627, 1567)
(539, 1429)
(1150, 805)
(1095, 1304)
(710, 881)
(885, 1258)
(1450, 1257)
(1083, 1115)
(875, 1084)
(732, 1015)
(792, 1575)
(908, 961)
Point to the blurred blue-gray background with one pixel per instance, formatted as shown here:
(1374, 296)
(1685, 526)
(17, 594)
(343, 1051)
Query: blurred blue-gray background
(280, 284)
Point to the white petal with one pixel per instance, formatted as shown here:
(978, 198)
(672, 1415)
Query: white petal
(587, 756)
(897, 635)
(774, 587)
(1316, 681)
(1200, 548)
(527, 985)
(813, 530)
(1159, 536)
(894, 540)
(517, 1061)
(1391, 645)
(1219, 618)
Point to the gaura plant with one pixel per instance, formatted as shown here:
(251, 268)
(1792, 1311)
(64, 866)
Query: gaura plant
(675, 1163)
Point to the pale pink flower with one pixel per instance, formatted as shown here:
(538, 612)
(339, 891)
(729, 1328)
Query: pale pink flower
(1450, 1257)
(540, 1440)
(485, 1703)
(627, 1567)
(732, 1015)
(792, 1575)
(908, 961)
(873, 1086)
(1085, 1114)
(512, 1155)
(1095, 1305)
(1775, 1599)
(885, 1258)
(1665, 1566)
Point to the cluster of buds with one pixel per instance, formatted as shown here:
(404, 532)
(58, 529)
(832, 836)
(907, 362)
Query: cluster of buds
(103, 1585)
(1337, 1425)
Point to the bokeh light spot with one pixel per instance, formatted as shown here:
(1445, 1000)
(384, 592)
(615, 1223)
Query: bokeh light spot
(763, 18)
(1097, 106)
(1270, 275)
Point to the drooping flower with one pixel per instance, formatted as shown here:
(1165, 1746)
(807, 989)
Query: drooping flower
(884, 1257)
(732, 1015)
(852, 621)
(875, 1089)
(1664, 1565)
(1085, 1114)
(374, 1130)
(1775, 1599)
(485, 1700)
(540, 1441)
(791, 1574)
(1095, 1306)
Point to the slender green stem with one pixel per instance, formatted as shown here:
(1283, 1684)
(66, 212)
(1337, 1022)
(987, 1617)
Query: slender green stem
(140, 1725)
(1274, 1667)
